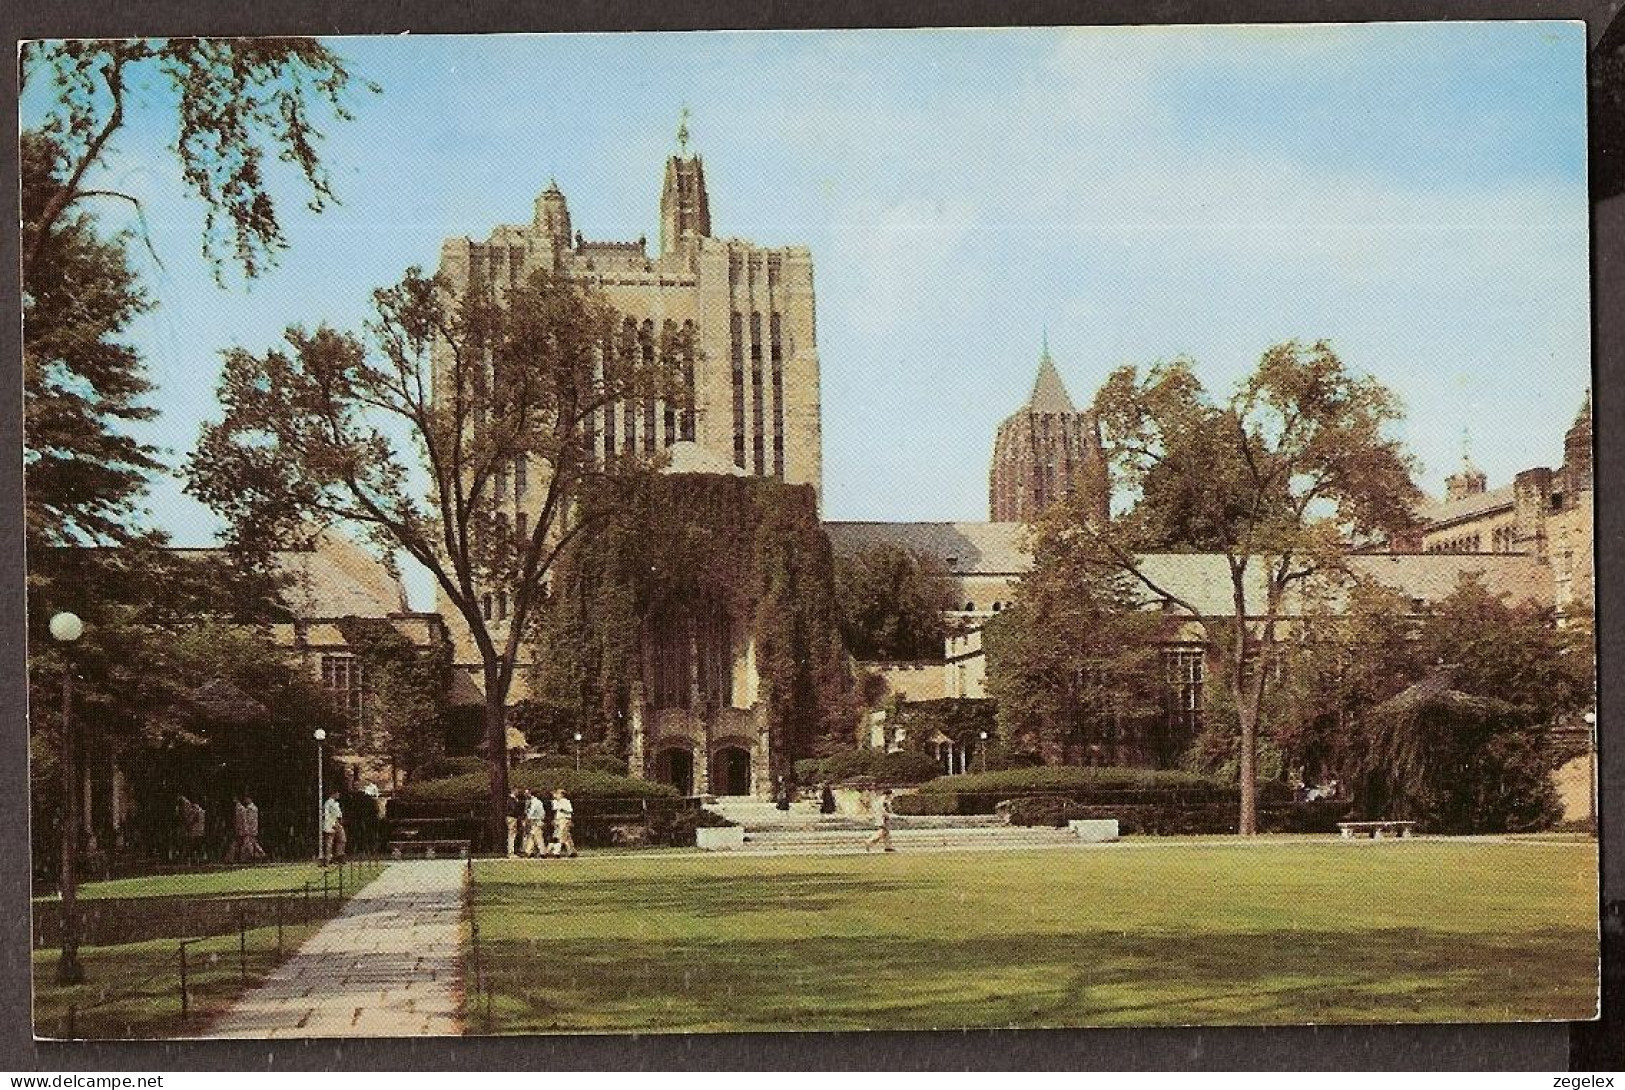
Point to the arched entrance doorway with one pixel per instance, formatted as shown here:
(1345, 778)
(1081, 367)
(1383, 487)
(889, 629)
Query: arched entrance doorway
(730, 771)
(676, 767)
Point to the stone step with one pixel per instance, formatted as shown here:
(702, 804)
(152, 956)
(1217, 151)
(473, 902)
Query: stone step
(918, 838)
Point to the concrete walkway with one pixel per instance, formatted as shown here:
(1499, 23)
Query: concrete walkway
(388, 966)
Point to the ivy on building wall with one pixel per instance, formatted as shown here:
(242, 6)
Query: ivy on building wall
(407, 688)
(681, 546)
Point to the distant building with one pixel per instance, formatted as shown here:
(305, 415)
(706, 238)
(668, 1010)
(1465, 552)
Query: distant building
(1045, 451)
(987, 561)
(754, 379)
(753, 383)
(1545, 513)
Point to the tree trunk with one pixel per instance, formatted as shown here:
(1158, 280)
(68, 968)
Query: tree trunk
(1247, 825)
(496, 744)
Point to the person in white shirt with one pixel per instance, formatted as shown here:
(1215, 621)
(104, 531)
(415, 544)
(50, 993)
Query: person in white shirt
(332, 829)
(563, 818)
(535, 826)
(252, 851)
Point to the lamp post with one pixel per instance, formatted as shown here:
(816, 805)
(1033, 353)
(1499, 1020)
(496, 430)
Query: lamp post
(984, 751)
(1591, 760)
(65, 629)
(578, 751)
(321, 793)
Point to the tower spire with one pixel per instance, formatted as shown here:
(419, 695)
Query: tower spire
(1049, 392)
(682, 131)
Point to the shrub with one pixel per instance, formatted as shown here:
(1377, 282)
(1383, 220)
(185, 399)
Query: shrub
(869, 766)
(917, 804)
(469, 793)
(1068, 780)
(1147, 819)
(594, 762)
(442, 768)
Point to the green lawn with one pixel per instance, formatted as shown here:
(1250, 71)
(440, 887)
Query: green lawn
(1167, 933)
(131, 956)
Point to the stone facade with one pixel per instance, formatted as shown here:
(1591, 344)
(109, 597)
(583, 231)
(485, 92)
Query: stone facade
(1045, 451)
(1545, 513)
(754, 380)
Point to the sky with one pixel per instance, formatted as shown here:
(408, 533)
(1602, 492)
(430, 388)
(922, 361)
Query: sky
(1413, 193)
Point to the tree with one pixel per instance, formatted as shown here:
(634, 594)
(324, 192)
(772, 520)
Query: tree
(1281, 478)
(1072, 662)
(83, 383)
(892, 600)
(463, 388)
(236, 100)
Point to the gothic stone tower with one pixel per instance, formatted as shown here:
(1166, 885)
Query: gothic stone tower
(755, 381)
(1047, 450)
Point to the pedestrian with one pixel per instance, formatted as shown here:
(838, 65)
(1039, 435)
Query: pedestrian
(516, 824)
(882, 824)
(237, 849)
(194, 824)
(251, 830)
(826, 800)
(563, 818)
(332, 829)
(782, 795)
(535, 826)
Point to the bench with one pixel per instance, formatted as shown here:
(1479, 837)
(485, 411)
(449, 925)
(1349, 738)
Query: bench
(1376, 830)
(428, 849)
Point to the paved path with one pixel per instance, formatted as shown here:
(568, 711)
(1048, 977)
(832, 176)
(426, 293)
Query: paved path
(388, 966)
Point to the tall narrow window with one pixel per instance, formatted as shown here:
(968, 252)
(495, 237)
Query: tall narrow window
(776, 351)
(758, 461)
(521, 528)
(1185, 673)
(688, 381)
(521, 474)
(646, 351)
(737, 336)
(341, 676)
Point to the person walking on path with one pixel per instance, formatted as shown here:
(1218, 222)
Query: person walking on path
(882, 824)
(563, 818)
(516, 824)
(535, 826)
(826, 800)
(194, 823)
(332, 829)
(251, 831)
(237, 850)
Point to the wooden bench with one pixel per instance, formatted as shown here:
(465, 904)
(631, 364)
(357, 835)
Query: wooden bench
(428, 849)
(1376, 830)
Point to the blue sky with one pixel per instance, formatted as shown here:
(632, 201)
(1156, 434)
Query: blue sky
(1414, 193)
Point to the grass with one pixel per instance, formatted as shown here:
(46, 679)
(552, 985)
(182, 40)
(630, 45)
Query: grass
(1176, 933)
(133, 927)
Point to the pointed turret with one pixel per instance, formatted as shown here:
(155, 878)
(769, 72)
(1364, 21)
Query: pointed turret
(1049, 392)
(1045, 451)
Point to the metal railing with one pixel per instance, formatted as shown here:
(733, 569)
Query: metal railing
(274, 910)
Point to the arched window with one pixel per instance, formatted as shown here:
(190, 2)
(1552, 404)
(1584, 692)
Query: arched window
(997, 606)
(485, 606)
(970, 607)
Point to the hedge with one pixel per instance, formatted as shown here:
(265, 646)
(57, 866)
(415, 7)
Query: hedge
(471, 792)
(445, 767)
(981, 793)
(919, 804)
(594, 762)
(869, 766)
(1182, 820)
